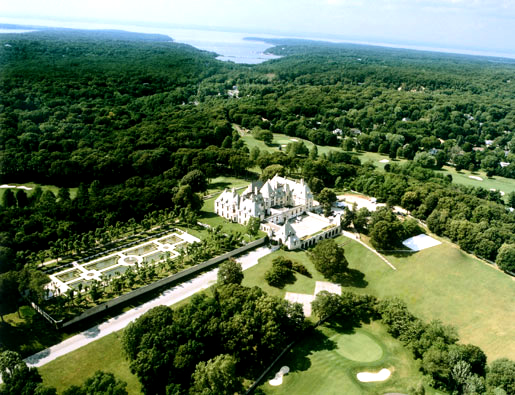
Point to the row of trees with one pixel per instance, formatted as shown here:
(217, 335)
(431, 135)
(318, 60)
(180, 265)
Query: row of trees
(448, 365)
(473, 218)
(451, 366)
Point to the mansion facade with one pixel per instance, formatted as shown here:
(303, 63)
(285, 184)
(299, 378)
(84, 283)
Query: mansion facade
(285, 208)
(277, 199)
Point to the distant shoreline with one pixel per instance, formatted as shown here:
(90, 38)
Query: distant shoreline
(251, 36)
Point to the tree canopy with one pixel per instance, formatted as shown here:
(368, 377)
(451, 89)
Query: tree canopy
(329, 259)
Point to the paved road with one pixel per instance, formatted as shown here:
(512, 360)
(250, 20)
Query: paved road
(168, 297)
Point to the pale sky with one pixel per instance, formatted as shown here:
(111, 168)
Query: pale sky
(470, 24)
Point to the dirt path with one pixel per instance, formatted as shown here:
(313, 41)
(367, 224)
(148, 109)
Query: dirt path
(355, 236)
(168, 298)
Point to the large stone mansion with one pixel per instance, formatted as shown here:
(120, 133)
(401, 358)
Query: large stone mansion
(276, 203)
(264, 200)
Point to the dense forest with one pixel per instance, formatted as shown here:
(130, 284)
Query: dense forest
(125, 117)
(139, 124)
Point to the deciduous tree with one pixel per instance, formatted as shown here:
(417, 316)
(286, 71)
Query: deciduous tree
(329, 259)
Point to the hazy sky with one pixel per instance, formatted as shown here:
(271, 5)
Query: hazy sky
(473, 24)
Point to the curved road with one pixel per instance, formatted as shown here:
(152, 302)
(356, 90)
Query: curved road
(168, 298)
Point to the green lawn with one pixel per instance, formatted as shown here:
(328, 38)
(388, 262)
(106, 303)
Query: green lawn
(462, 177)
(441, 282)
(506, 185)
(103, 354)
(53, 188)
(280, 140)
(218, 184)
(327, 363)
(74, 368)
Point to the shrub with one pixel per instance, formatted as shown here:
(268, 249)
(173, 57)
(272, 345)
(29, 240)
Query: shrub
(281, 273)
(300, 268)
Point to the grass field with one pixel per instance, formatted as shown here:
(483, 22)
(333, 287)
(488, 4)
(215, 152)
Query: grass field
(104, 354)
(441, 282)
(462, 177)
(218, 184)
(506, 185)
(74, 368)
(279, 141)
(328, 361)
(53, 188)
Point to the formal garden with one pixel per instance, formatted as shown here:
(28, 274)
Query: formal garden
(89, 282)
(106, 269)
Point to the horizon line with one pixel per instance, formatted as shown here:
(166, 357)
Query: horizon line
(321, 37)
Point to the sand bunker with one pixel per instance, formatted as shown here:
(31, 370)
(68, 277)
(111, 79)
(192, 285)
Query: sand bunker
(384, 161)
(294, 140)
(420, 242)
(5, 186)
(278, 379)
(367, 377)
(476, 178)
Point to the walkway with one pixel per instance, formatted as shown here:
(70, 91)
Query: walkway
(353, 237)
(168, 298)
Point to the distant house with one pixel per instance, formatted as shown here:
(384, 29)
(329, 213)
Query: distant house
(355, 131)
(504, 164)
(234, 92)
(488, 143)
(337, 132)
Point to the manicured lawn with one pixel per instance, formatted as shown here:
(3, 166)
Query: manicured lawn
(441, 282)
(74, 368)
(438, 283)
(462, 177)
(354, 252)
(375, 158)
(506, 185)
(280, 140)
(444, 282)
(53, 188)
(327, 363)
(218, 184)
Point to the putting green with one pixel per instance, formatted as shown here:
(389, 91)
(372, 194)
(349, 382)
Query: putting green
(357, 347)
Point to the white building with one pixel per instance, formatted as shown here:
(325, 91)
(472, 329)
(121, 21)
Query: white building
(285, 209)
(279, 197)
